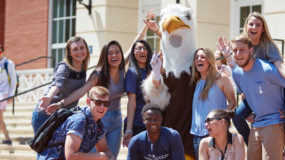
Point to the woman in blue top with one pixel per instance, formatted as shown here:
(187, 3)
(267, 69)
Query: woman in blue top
(212, 92)
(141, 54)
(69, 75)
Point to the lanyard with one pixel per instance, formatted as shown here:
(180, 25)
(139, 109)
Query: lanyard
(223, 155)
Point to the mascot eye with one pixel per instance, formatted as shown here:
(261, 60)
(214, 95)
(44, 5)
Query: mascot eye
(188, 16)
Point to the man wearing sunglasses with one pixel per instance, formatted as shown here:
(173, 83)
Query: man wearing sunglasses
(82, 131)
(156, 142)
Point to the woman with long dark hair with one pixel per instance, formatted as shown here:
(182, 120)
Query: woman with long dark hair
(139, 69)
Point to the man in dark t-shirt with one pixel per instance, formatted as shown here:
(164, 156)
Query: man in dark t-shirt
(156, 142)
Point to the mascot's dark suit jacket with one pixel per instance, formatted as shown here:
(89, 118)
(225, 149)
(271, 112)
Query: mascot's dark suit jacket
(178, 114)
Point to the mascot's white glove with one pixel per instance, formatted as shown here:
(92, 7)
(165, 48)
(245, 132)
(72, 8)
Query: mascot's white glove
(156, 66)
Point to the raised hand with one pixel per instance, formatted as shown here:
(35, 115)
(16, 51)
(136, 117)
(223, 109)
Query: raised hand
(150, 22)
(224, 46)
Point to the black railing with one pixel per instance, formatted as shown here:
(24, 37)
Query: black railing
(32, 60)
(32, 89)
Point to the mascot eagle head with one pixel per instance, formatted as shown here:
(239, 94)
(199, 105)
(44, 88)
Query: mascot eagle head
(178, 39)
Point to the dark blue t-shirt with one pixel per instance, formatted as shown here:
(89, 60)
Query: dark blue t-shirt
(168, 147)
(132, 84)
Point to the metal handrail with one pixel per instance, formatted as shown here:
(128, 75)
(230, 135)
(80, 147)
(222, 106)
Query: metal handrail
(32, 89)
(35, 59)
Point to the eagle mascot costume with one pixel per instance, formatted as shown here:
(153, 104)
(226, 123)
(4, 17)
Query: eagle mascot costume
(171, 87)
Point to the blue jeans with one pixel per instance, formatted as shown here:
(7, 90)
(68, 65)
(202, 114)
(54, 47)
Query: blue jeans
(241, 113)
(196, 142)
(38, 119)
(112, 121)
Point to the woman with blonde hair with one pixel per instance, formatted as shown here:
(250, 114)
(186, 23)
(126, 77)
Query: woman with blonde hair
(212, 91)
(221, 144)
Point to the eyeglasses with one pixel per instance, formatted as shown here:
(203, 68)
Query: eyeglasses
(140, 48)
(99, 102)
(208, 120)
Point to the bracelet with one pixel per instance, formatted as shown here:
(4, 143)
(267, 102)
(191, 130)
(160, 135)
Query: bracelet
(156, 30)
(61, 104)
(128, 131)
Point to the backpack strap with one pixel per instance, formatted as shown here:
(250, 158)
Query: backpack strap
(8, 75)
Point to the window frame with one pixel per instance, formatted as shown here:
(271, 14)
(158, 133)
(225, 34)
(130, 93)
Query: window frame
(144, 7)
(235, 13)
(55, 45)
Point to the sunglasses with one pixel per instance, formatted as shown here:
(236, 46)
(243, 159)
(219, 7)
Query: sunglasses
(99, 102)
(208, 120)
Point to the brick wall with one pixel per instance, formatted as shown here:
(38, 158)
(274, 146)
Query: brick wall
(26, 32)
(2, 21)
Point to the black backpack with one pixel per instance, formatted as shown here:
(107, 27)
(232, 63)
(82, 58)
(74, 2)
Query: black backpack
(45, 132)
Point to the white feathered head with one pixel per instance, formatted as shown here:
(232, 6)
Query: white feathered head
(178, 38)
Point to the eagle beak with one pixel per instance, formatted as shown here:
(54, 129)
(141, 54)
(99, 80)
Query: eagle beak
(173, 23)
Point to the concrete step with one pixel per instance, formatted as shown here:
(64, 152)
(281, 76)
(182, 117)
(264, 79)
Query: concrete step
(20, 108)
(16, 146)
(20, 130)
(18, 137)
(22, 115)
(22, 156)
(18, 122)
(123, 153)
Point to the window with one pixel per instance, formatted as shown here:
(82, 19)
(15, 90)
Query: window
(145, 6)
(63, 27)
(245, 11)
(152, 39)
(240, 9)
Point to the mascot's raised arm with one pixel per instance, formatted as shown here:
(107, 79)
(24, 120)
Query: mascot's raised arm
(171, 88)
